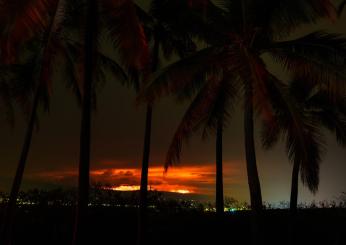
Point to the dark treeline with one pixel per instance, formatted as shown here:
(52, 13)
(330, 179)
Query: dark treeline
(171, 221)
(165, 202)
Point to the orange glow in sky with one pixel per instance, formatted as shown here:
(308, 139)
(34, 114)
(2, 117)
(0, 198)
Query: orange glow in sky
(137, 187)
(199, 179)
(181, 191)
(126, 188)
(182, 180)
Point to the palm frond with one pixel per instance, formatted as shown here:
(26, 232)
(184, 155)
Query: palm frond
(304, 141)
(72, 18)
(73, 55)
(126, 33)
(329, 113)
(224, 103)
(200, 19)
(110, 65)
(281, 17)
(18, 85)
(318, 57)
(50, 47)
(174, 42)
(182, 73)
(214, 101)
(255, 75)
(72, 67)
(22, 20)
(274, 18)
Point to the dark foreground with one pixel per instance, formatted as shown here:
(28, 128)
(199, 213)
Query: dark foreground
(52, 225)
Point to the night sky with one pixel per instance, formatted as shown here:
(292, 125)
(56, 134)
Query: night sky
(117, 142)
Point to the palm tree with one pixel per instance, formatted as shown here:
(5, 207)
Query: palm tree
(189, 24)
(241, 35)
(183, 27)
(21, 21)
(29, 20)
(210, 111)
(47, 17)
(126, 32)
(84, 157)
(170, 39)
(314, 108)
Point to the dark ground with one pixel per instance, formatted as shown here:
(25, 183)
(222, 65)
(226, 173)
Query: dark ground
(52, 225)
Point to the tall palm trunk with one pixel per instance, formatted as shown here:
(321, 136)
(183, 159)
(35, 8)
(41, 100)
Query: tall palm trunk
(8, 220)
(253, 179)
(294, 187)
(143, 202)
(143, 199)
(219, 175)
(81, 220)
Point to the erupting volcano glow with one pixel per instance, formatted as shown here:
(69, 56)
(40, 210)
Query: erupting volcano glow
(183, 180)
(126, 188)
(137, 187)
(181, 191)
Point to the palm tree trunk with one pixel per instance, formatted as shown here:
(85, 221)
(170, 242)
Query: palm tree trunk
(253, 179)
(143, 201)
(80, 230)
(6, 231)
(294, 187)
(219, 175)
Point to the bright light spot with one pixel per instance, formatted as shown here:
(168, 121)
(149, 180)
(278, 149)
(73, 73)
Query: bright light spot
(181, 191)
(126, 188)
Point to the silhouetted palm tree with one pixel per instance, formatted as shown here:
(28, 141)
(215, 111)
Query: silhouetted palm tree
(241, 34)
(210, 111)
(121, 22)
(191, 24)
(172, 40)
(313, 108)
(90, 35)
(41, 27)
(22, 22)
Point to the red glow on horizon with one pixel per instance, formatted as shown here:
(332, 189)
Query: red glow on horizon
(137, 187)
(198, 179)
(125, 188)
(182, 180)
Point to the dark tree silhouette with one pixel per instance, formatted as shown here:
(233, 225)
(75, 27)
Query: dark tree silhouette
(219, 203)
(189, 23)
(90, 35)
(314, 108)
(21, 24)
(165, 35)
(241, 32)
(122, 25)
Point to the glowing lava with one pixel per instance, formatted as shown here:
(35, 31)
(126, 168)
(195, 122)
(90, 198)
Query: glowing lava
(181, 191)
(137, 187)
(126, 188)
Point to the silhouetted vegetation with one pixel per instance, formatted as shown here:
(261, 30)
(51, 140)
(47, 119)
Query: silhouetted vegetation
(167, 202)
(47, 217)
